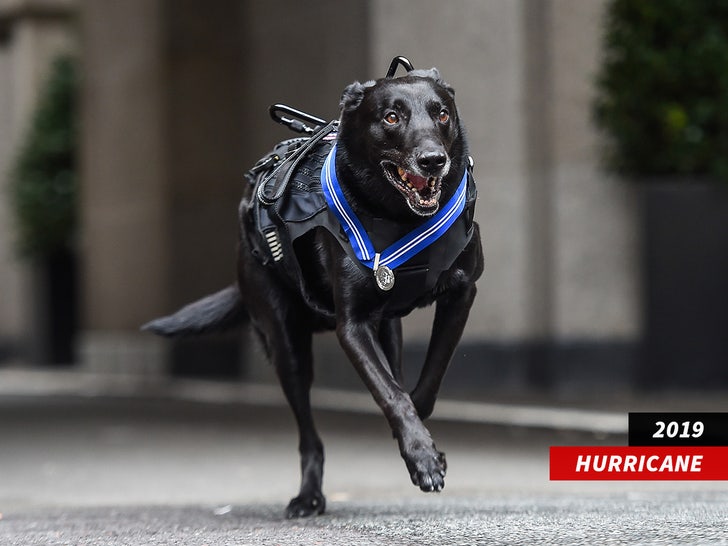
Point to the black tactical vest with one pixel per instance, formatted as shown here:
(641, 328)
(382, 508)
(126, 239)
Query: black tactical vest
(288, 202)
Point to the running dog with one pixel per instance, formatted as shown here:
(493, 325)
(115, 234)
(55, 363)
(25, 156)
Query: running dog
(390, 229)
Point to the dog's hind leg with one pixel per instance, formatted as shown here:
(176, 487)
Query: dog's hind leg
(289, 350)
(451, 314)
(390, 336)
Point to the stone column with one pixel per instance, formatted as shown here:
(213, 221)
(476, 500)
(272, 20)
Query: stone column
(596, 265)
(479, 49)
(126, 239)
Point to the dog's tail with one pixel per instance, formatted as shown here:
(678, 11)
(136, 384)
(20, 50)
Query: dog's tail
(216, 312)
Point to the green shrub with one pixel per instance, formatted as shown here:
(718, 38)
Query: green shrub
(44, 179)
(662, 88)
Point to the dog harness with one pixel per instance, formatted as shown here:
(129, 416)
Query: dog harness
(296, 191)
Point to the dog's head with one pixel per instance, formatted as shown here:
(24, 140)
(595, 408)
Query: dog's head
(403, 142)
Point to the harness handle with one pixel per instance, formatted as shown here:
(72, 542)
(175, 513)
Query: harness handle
(404, 61)
(297, 122)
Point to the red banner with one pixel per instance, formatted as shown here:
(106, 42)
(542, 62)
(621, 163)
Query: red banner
(638, 463)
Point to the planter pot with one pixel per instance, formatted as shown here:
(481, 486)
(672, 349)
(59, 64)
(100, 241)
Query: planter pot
(55, 310)
(685, 238)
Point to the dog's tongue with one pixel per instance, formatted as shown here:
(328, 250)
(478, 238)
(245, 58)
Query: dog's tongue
(419, 182)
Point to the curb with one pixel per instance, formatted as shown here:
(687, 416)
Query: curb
(38, 383)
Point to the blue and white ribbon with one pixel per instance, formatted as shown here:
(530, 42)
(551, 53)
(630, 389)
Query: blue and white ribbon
(408, 246)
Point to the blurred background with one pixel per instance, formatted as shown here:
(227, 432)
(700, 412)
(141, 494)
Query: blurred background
(599, 131)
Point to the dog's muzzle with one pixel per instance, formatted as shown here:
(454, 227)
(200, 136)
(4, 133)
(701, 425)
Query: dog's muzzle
(420, 190)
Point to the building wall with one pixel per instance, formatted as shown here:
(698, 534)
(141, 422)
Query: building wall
(175, 109)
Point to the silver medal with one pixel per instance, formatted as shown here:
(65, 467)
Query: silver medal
(383, 275)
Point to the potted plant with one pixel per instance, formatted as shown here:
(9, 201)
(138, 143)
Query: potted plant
(43, 191)
(662, 102)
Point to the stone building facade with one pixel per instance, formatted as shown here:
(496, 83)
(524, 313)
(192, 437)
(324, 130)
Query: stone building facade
(174, 110)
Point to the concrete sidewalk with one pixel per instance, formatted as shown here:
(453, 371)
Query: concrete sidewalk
(589, 412)
(535, 413)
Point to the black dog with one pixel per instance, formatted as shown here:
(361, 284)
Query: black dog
(400, 160)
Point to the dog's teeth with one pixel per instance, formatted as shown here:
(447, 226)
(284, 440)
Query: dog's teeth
(432, 182)
(402, 173)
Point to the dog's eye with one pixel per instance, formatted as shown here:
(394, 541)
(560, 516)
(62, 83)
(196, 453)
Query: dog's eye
(443, 116)
(391, 118)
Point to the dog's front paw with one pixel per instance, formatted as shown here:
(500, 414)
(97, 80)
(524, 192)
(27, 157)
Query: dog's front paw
(304, 506)
(427, 468)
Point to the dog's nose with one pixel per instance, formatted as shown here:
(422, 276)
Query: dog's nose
(431, 161)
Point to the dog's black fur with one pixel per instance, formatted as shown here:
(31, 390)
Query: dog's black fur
(409, 122)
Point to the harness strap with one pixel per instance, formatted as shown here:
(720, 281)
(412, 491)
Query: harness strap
(269, 196)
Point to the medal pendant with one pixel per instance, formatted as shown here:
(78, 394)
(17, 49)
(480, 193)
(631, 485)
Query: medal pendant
(384, 277)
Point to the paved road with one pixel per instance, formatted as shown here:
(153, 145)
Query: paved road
(144, 471)
(524, 520)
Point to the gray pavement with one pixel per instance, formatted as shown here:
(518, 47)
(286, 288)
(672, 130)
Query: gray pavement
(602, 520)
(158, 470)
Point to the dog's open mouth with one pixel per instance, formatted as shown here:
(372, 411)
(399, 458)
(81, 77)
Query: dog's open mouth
(422, 193)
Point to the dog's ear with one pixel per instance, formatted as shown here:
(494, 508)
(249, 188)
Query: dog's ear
(433, 74)
(352, 96)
